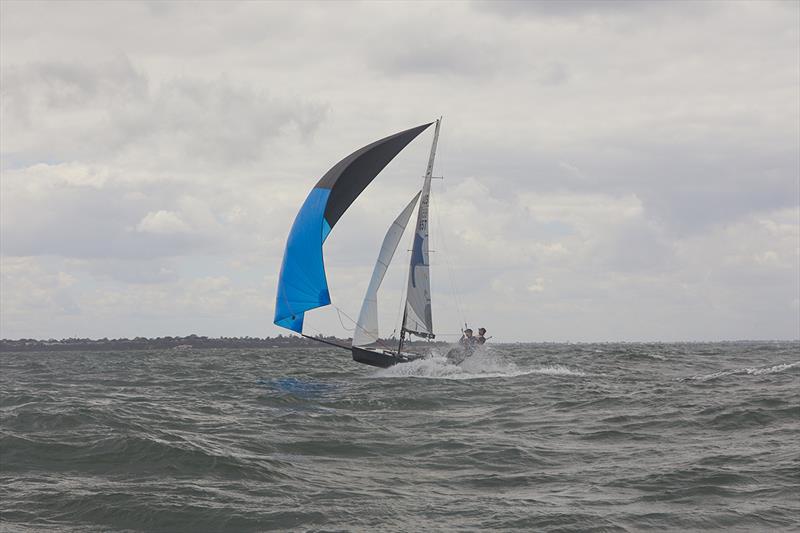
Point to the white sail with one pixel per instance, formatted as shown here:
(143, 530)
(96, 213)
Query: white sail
(367, 327)
(417, 317)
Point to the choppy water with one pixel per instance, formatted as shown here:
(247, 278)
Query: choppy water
(606, 437)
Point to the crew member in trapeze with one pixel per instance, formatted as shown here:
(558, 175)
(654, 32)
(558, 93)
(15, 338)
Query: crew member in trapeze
(467, 341)
(466, 346)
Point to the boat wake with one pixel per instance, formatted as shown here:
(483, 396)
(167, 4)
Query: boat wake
(484, 363)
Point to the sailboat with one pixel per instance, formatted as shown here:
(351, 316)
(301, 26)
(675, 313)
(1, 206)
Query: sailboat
(302, 284)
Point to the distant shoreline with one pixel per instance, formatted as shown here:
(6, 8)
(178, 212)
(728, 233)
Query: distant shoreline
(200, 342)
(175, 343)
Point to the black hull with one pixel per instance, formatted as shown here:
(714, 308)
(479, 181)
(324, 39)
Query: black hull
(381, 358)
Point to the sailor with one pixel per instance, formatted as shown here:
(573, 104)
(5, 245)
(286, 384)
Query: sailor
(481, 339)
(466, 345)
(467, 340)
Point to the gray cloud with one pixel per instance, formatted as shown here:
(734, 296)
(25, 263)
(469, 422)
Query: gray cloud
(137, 270)
(587, 8)
(85, 222)
(61, 111)
(434, 53)
(32, 90)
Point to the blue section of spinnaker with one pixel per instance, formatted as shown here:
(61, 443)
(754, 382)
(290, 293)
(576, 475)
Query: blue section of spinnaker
(326, 228)
(303, 285)
(416, 257)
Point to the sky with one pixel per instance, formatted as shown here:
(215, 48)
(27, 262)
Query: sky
(613, 171)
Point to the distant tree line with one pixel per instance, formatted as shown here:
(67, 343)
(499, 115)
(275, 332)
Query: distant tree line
(177, 343)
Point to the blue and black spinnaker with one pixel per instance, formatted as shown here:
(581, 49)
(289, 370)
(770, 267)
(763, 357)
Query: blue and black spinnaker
(303, 285)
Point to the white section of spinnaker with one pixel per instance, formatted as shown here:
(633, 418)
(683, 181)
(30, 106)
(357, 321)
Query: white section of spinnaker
(366, 331)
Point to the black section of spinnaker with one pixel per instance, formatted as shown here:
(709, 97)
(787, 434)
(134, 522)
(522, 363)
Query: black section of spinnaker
(350, 176)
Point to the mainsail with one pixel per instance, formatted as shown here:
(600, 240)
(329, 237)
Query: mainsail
(366, 331)
(417, 318)
(302, 284)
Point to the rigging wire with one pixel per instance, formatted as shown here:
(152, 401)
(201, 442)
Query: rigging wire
(440, 235)
(339, 312)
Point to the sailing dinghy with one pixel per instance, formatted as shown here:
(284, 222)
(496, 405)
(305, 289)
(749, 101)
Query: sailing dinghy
(303, 286)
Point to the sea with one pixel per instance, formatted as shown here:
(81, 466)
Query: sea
(520, 437)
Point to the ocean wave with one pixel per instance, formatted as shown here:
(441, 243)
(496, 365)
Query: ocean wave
(557, 370)
(136, 453)
(772, 369)
(752, 371)
(301, 439)
(640, 355)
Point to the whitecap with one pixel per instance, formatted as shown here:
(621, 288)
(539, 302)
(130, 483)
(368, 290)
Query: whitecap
(754, 371)
(772, 369)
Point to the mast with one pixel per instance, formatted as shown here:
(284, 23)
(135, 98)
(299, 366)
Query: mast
(402, 335)
(417, 316)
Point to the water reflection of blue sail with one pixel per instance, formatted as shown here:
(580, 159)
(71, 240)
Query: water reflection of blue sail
(302, 285)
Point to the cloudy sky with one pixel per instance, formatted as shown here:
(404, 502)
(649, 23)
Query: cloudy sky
(613, 170)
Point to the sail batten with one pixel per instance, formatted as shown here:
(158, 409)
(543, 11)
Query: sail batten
(303, 284)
